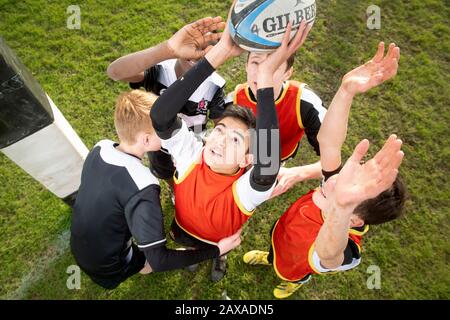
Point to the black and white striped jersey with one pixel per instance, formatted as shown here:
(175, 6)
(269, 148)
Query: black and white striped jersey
(208, 97)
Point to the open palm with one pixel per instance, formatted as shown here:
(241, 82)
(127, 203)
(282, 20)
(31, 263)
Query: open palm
(287, 47)
(378, 70)
(358, 181)
(195, 39)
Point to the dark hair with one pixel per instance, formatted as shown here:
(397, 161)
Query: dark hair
(245, 115)
(385, 207)
(290, 61)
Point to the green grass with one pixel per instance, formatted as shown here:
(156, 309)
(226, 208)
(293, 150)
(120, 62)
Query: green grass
(413, 253)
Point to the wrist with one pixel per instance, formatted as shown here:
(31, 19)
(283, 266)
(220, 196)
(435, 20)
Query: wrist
(345, 92)
(343, 209)
(217, 56)
(265, 80)
(167, 50)
(300, 174)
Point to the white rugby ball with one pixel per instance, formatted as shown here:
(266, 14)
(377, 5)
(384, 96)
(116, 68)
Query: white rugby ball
(259, 25)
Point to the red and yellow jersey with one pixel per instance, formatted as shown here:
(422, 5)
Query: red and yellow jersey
(288, 110)
(207, 204)
(293, 240)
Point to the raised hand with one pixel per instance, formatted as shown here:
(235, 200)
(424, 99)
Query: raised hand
(194, 40)
(278, 57)
(358, 182)
(373, 73)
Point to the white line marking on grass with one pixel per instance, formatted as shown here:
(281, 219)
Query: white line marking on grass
(53, 252)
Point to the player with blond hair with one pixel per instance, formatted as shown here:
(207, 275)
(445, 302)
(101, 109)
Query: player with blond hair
(117, 222)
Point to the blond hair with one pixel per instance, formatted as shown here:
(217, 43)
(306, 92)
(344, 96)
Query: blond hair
(132, 114)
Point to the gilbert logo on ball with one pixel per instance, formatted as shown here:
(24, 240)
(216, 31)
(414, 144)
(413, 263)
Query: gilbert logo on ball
(259, 25)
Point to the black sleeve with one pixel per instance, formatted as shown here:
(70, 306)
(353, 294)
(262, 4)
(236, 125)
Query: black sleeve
(217, 105)
(150, 82)
(328, 174)
(267, 129)
(311, 123)
(169, 104)
(145, 220)
(144, 217)
(351, 252)
(163, 259)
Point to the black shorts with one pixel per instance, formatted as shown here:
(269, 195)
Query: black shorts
(182, 237)
(135, 265)
(161, 164)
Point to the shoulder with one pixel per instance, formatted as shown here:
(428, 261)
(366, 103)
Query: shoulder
(139, 173)
(309, 96)
(217, 80)
(209, 87)
(168, 64)
(240, 88)
(165, 72)
(237, 94)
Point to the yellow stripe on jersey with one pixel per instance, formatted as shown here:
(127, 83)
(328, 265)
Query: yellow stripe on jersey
(359, 233)
(235, 93)
(311, 263)
(291, 153)
(186, 174)
(285, 89)
(275, 258)
(310, 259)
(193, 235)
(298, 106)
(247, 93)
(239, 203)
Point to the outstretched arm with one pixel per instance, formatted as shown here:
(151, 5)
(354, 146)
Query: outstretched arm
(256, 185)
(162, 259)
(333, 131)
(356, 183)
(265, 174)
(164, 111)
(190, 42)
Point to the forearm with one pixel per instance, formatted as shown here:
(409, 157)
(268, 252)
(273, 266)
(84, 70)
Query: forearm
(308, 172)
(133, 64)
(333, 237)
(266, 168)
(162, 259)
(333, 131)
(169, 104)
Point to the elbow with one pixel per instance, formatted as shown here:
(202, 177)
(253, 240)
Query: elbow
(320, 138)
(329, 259)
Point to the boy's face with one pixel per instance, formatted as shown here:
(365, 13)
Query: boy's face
(280, 75)
(226, 148)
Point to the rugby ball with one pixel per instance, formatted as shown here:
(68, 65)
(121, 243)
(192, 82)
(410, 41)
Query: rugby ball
(259, 25)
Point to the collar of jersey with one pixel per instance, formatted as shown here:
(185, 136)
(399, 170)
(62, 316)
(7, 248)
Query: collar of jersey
(283, 92)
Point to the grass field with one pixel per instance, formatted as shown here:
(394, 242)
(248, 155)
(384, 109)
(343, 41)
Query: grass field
(412, 253)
